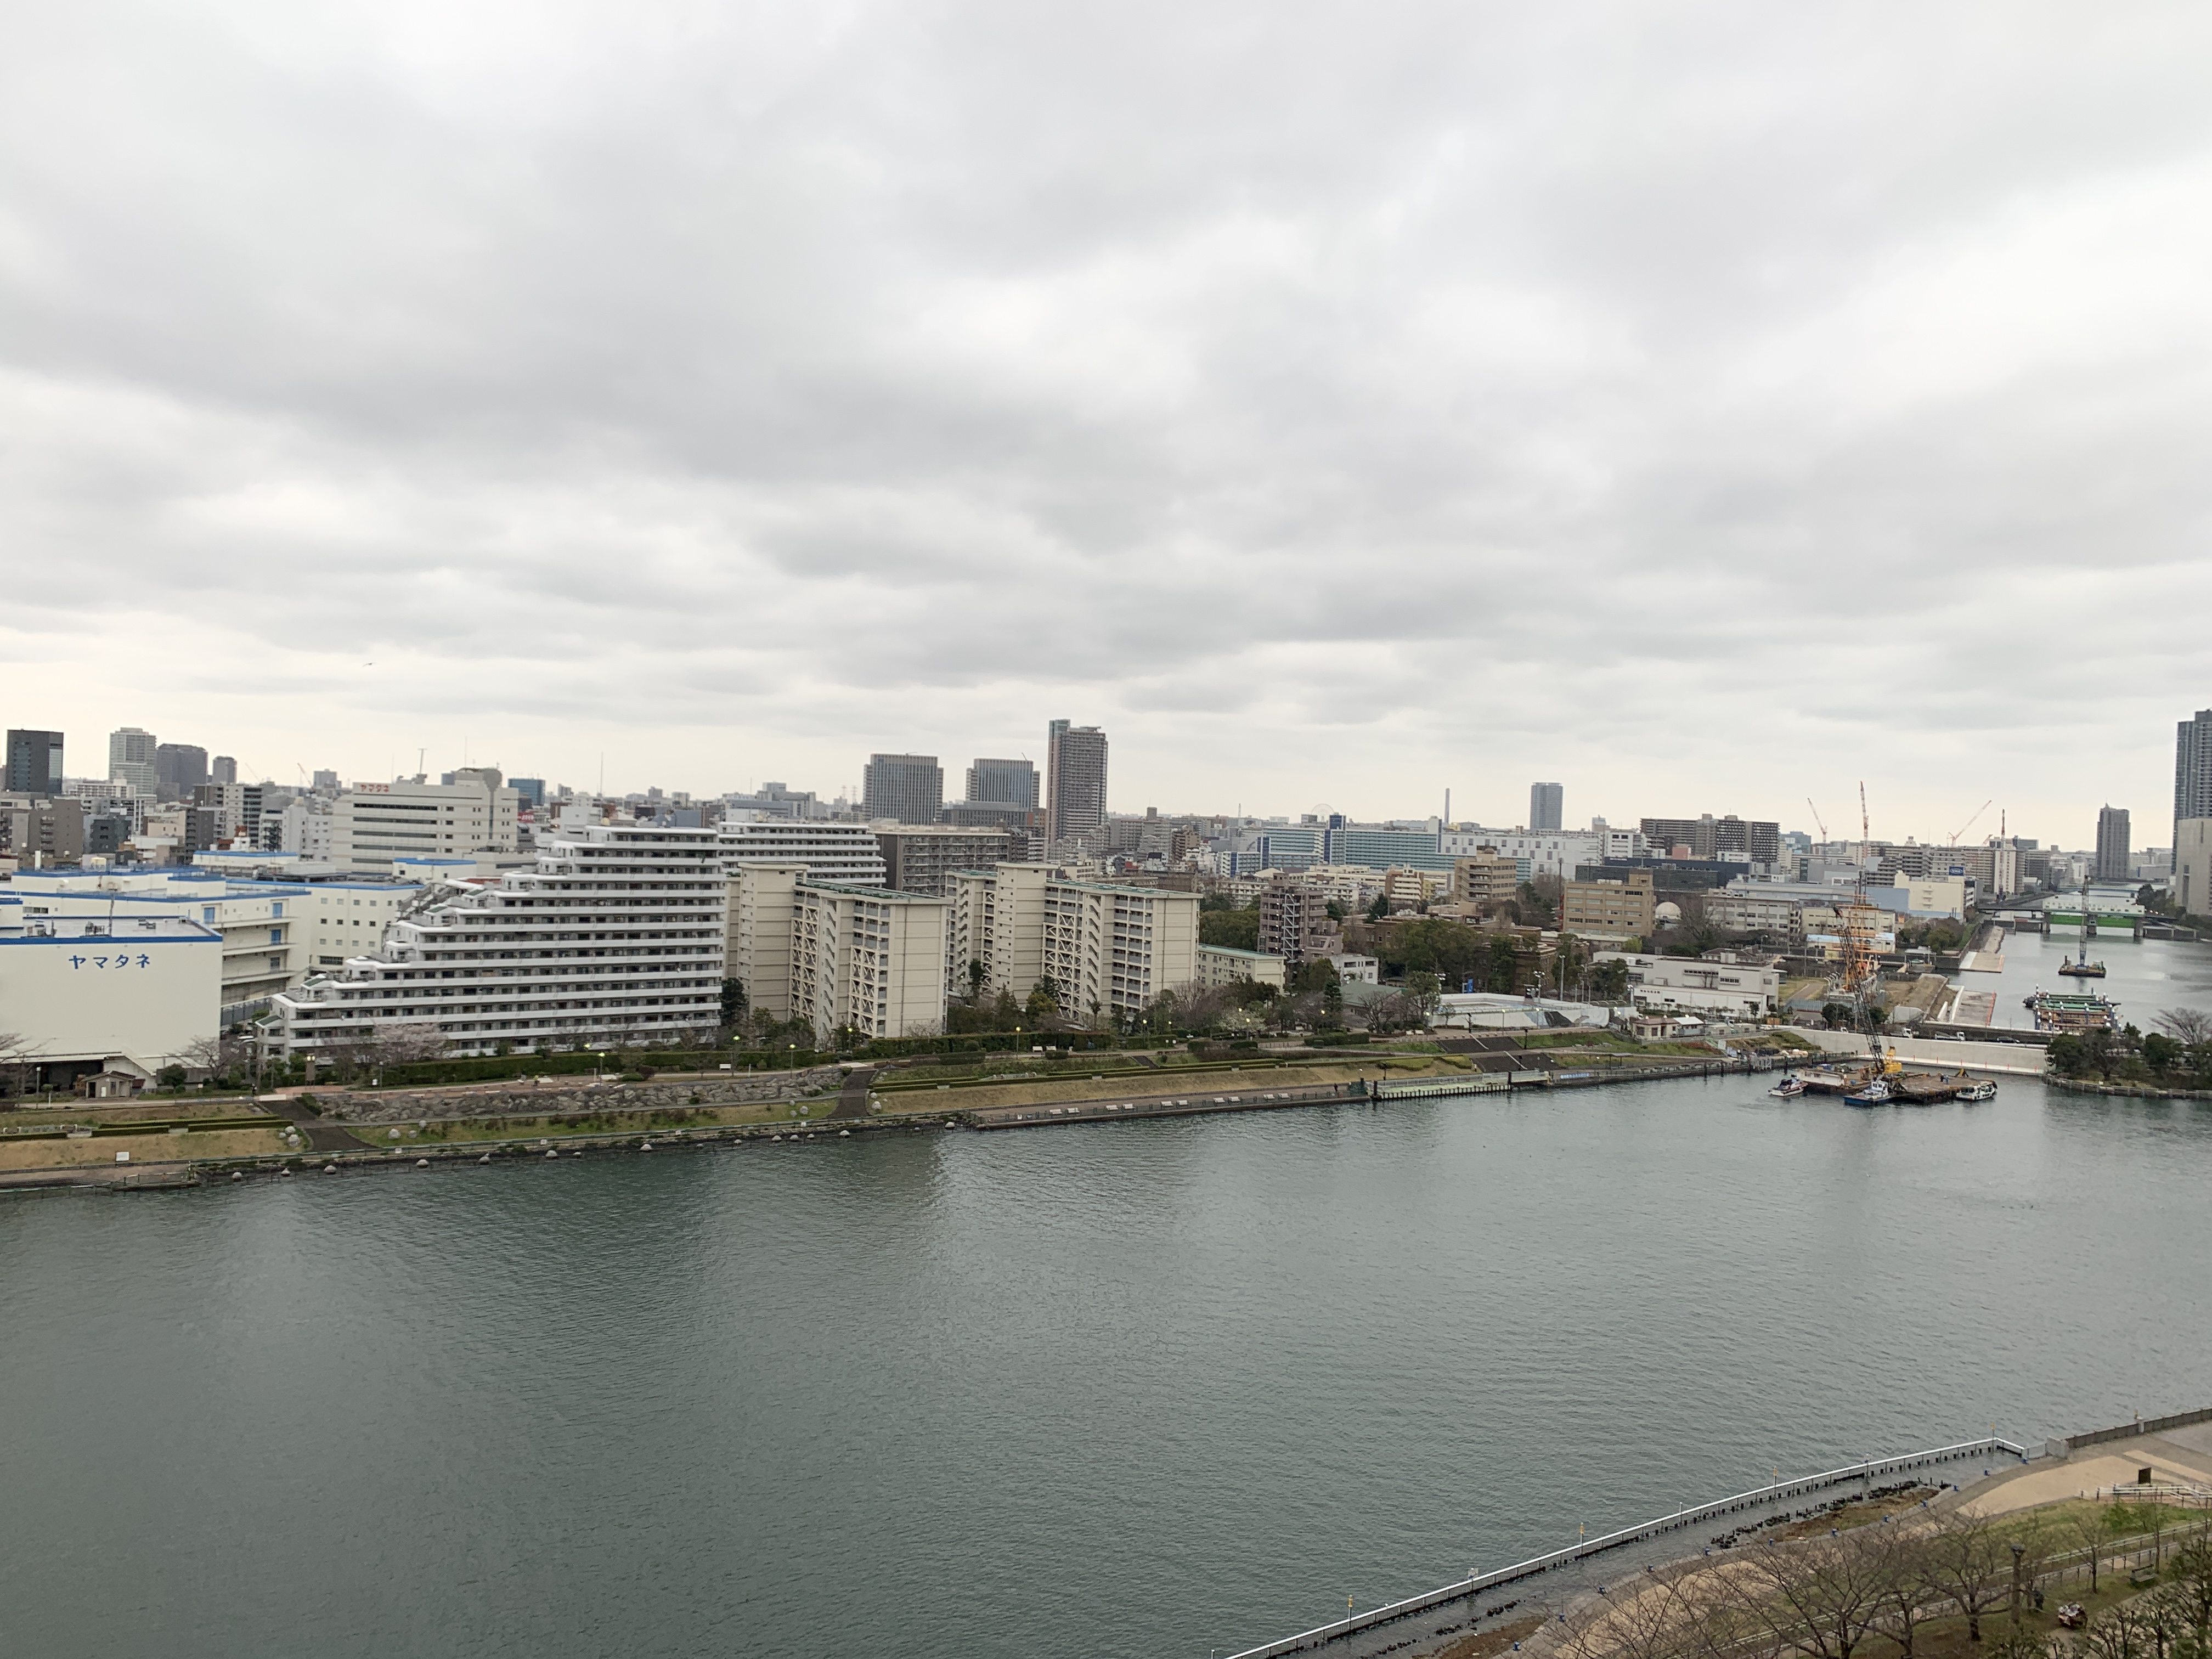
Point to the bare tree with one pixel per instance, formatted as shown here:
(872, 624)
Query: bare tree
(1656, 1620)
(1966, 1559)
(2119, 1634)
(2192, 1026)
(2088, 1525)
(15, 1059)
(1818, 1596)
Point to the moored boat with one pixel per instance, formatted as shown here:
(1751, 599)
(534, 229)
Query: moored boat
(1875, 1093)
(1790, 1088)
(1981, 1090)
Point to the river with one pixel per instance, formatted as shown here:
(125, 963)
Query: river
(1132, 1390)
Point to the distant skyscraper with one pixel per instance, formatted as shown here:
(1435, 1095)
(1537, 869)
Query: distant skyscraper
(2114, 855)
(908, 788)
(531, 791)
(34, 763)
(224, 768)
(181, 767)
(1075, 780)
(325, 778)
(1545, 802)
(132, 759)
(1002, 783)
(2192, 770)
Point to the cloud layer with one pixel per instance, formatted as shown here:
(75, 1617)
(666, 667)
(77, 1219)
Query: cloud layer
(1707, 407)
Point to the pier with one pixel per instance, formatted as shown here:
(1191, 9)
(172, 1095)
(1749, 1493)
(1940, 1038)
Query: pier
(1779, 1493)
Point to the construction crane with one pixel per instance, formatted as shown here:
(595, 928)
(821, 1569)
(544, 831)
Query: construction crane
(1866, 837)
(1970, 823)
(1817, 825)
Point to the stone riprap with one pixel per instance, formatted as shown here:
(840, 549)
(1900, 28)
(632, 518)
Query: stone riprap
(517, 1099)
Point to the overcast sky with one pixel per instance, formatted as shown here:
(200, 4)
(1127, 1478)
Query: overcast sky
(1705, 406)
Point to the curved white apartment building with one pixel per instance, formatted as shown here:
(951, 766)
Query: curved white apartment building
(846, 853)
(616, 937)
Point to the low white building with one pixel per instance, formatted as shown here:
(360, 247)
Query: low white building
(1684, 984)
(263, 926)
(1745, 911)
(1352, 970)
(84, 995)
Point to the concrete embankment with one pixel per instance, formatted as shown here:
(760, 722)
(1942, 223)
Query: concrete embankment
(1942, 1054)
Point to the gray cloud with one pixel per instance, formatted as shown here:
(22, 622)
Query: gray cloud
(1707, 407)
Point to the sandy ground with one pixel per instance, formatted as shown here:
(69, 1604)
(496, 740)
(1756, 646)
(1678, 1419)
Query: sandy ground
(164, 1148)
(2177, 1458)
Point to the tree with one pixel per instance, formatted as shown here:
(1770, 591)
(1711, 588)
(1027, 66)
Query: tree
(1656, 1620)
(1378, 909)
(975, 977)
(1608, 983)
(2193, 1026)
(1044, 1000)
(734, 1002)
(408, 1041)
(1817, 1596)
(1965, 1559)
(1236, 930)
(1504, 962)
(1425, 990)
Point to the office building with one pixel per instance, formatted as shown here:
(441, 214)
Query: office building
(1075, 780)
(224, 768)
(2114, 857)
(34, 763)
(1003, 783)
(326, 782)
(921, 858)
(374, 824)
(528, 792)
(1609, 910)
(131, 759)
(775, 800)
(1545, 803)
(84, 994)
(904, 788)
(179, 768)
(848, 852)
(1730, 839)
(618, 936)
(38, 831)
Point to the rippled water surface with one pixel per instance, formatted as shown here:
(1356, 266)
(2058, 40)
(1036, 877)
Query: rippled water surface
(1133, 1390)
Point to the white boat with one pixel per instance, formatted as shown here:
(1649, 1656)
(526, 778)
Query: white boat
(1982, 1090)
(1875, 1093)
(1790, 1088)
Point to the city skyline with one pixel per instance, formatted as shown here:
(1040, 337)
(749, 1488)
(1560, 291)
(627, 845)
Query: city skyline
(1438, 433)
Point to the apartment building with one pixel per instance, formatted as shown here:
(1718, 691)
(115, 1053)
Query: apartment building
(1485, 877)
(1414, 887)
(38, 831)
(132, 759)
(1109, 948)
(618, 936)
(869, 960)
(831, 851)
(373, 823)
(1222, 965)
(1609, 910)
(921, 858)
(762, 900)
(996, 917)
(1075, 780)
(1295, 923)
